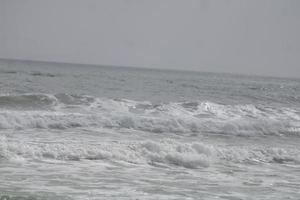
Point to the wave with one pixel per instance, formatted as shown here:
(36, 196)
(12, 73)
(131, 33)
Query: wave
(31, 73)
(63, 111)
(27, 101)
(37, 73)
(40, 101)
(8, 71)
(161, 153)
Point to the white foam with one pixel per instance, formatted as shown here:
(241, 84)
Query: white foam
(163, 152)
(182, 117)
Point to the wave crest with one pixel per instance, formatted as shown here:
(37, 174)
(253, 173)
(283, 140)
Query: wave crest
(70, 111)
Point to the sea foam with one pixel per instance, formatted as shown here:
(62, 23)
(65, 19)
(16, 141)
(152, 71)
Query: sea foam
(64, 111)
(157, 153)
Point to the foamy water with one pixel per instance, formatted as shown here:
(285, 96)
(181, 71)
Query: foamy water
(84, 132)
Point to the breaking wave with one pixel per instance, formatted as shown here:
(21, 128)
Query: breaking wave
(160, 153)
(27, 101)
(61, 111)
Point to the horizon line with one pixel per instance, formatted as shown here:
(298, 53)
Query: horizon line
(143, 68)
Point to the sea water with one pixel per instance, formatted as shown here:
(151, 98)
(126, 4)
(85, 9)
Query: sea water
(85, 132)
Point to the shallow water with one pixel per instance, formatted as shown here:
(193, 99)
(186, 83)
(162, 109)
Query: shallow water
(84, 132)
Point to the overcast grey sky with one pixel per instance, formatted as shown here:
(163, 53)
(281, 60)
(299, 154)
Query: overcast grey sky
(239, 36)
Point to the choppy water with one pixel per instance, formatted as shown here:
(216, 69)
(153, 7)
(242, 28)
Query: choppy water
(83, 132)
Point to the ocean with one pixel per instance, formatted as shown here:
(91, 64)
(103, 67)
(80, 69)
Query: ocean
(80, 132)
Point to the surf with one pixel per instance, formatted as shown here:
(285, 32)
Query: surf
(63, 111)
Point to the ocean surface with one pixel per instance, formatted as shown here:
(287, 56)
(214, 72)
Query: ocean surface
(85, 132)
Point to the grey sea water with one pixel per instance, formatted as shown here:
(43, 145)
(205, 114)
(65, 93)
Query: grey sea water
(85, 132)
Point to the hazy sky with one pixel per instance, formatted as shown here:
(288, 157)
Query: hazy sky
(242, 36)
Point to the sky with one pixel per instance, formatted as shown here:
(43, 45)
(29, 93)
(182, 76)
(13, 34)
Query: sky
(236, 36)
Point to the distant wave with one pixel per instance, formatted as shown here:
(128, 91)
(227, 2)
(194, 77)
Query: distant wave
(62, 111)
(31, 73)
(37, 73)
(8, 71)
(160, 153)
